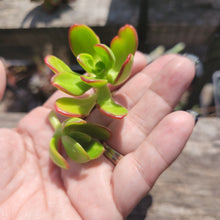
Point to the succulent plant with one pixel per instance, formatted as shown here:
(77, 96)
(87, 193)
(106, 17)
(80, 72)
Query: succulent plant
(81, 140)
(104, 65)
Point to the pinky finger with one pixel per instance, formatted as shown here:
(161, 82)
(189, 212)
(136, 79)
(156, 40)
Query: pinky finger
(137, 172)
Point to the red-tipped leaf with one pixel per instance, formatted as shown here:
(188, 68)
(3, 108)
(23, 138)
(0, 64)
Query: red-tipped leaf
(69, 83)
(82, 39)
(123, 44)
(105, 54)
(57, 65)
(56, 157)
(124, 72)
(91, 81)
(73, 107)
(96, 131)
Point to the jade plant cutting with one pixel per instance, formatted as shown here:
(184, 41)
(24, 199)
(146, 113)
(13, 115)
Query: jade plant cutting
(103, 65)
(81, 140)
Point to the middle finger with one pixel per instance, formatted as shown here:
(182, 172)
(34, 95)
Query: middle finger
(157, 101)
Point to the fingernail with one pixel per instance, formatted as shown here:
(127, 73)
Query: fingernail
(194, 114)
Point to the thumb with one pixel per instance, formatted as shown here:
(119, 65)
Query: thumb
(2, 79)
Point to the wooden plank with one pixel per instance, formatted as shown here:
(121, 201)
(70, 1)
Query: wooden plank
(23, 24)
(16, 14)
(10, 120)
(190, 188)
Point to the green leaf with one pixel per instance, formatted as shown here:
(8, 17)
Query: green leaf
(116, 78)
(91, 81)
(86, 61)
(57, 65)
(56, 157)
(75, 107)
(80, 137)
(105, 54)
(82, 39)
(74, 150)
(76, 134)
(92, 129)
(123, 44)
(107, 104)
(73, 121)
(94, 149)
(70, 83)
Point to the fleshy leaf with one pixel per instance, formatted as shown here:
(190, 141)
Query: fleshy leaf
(94, 82)
(69, 83)
(86, 61)
(57, 65)
(105, 54)
(80, 137)
(122, 76)
(56, 157)
(123, 44)
(82, 39)
(107, 104)
(94, 149)
(94, 130)
(74, 150)
(73, 121)
(75, 107)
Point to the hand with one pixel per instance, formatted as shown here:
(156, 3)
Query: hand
(150, 138)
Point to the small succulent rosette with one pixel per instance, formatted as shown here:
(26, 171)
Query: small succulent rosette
(103, 65)
(81, 140)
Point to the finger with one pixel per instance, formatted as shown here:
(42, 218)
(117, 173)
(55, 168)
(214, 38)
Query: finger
(153, 68)
(137, 172)
(140, 62)
(50, 103)
(135, 88)
(2, 79)
(157, 101)
(37, 132)
(131, 92)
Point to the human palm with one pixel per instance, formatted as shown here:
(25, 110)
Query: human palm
(150, 137)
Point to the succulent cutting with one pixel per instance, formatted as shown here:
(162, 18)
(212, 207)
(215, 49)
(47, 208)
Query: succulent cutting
(103, 65)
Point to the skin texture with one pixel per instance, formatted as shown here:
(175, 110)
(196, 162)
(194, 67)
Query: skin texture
(150, 137)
